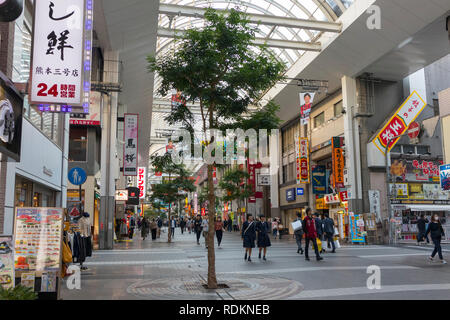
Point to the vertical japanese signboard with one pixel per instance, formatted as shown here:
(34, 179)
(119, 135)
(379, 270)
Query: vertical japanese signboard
(304, 160)
(252, 181)
(297, 158)
(338, 162)
(6, 262)
(61, 54)
(399, 123)
(142, 181)
(130, 148)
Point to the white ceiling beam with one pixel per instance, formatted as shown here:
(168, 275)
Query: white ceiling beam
(289, 22)
(273, 43)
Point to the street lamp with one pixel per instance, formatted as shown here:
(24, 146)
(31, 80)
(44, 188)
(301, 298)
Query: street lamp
(392, 236)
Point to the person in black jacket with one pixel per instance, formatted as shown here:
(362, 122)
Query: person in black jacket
(249, 236)
(328, 229)
(198, 227)
(437, 232)
(263, 229)
(319, 228)
(421, 226)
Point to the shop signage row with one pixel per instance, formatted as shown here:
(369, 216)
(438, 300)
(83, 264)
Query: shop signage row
(62, 53)
(398, 124)
(418, 191)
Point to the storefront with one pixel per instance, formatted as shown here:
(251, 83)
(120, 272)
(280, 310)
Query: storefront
(416, 192)
(32, 194)
(293, 201)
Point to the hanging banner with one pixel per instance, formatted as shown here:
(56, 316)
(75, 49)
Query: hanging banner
(252, 181)
(178, 100)
(142, 182)
(306, 101)
(304, 160)
(297, 157)
(338, 162)
(399, 123)
(444, 173)
(61, 54)
(6, 262)
(130, 148)
(319, 180)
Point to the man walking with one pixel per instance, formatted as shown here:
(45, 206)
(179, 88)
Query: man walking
(328, 228)
(198, 227)
(299, 234)
(319, 229)
(173, 224)
(309, 228)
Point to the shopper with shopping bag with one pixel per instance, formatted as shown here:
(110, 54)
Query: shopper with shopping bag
(297, 226)
(309, 228)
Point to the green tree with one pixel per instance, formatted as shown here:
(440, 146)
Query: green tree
(171, 190)
(217, 67)
(235, 187)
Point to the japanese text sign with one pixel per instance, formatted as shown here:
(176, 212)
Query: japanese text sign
(130, 148)
(142, 181)
(338, 163)
(399, 123)
(304, 160)
(61, 55)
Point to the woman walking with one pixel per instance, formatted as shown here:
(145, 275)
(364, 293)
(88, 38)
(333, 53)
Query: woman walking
(153, 228)
(274, 228)
(218, 226)
(249, 236)
(144, 228)
(263, 229)
(437, 232)
(198, 227)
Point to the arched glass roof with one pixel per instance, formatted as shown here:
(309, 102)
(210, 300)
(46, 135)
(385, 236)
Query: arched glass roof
(320, 10)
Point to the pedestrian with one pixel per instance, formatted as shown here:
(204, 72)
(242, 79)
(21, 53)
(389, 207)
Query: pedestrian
(219, 227)
(173, 224)
(198, 227)
(328, 229)
(299, 234)
(235, 224)
(274, 228)
(249, 236)
(437, 232)
(230, 224)
(189, 225)
(205, 227)
(263, 229)
(159, 224)
(144, 228)
(280, 229)
(182, 225)
(309, 228)
(132, 226)
(319, 229)
(154, 229)
(421, 226)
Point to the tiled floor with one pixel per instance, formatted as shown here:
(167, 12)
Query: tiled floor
(158, 270)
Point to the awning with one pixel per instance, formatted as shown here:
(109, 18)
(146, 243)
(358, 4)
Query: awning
(425, 207)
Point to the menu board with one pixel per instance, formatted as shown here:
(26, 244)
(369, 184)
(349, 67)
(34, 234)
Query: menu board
(38, 234)
(6, 262)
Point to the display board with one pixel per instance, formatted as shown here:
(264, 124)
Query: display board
(38, 239)
(356, 228)
(6, 262)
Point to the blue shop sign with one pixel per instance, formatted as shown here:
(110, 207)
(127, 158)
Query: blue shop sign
(300, 191)
(290, 194)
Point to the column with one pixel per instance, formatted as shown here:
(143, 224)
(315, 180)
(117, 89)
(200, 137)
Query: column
(352, 144)
(275, 156)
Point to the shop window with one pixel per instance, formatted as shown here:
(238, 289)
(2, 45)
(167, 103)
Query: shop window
(338, 108)
(423, 149)
(285, 174)
(291, 175)
(37, 199)
(319, 120)
(409, 149)
(78, 144)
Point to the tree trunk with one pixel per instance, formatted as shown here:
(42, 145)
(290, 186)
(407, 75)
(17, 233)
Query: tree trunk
(212, 280)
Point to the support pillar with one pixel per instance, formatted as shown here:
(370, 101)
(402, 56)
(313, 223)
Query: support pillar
(275, 155)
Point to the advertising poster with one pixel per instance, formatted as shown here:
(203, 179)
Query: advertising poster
(304, 160)
(415, 170)
(444, 174)
(178, 100)
(6, 262)
(48, 282)
(338, 162)
(319, 179)
(306, 101)
(27, 279)
(399, 123)
(93, 118)
(356, 228)
(61, 57)
(11, 107)
(38, 233)
(130, 148)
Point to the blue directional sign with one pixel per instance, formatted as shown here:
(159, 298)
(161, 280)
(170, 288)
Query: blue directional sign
(77, 176)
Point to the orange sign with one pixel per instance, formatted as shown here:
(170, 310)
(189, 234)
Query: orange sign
(338, 163)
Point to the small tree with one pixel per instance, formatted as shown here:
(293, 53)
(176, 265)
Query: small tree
(235, 187)
(218, 68)
(170, 191)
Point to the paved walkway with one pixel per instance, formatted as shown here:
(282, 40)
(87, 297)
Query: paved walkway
(159, 270)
